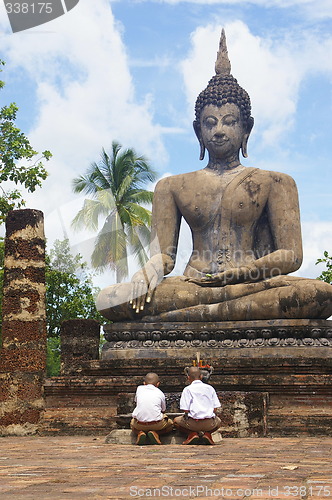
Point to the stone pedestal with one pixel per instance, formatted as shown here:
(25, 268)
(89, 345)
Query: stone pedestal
(274, 378)
(182, 340)
(288, 360)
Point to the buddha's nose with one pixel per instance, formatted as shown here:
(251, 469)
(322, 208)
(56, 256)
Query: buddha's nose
(220, 134)
(220, 131)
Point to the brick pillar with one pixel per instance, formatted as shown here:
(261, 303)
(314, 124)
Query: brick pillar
(79, 343)
(23, 353)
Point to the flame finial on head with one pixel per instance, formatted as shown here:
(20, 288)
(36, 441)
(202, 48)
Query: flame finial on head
(223, 65)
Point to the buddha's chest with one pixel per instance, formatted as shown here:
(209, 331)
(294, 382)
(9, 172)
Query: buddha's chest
(240, 205)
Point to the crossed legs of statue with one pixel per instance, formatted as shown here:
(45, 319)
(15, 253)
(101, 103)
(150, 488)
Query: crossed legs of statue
(175, 299)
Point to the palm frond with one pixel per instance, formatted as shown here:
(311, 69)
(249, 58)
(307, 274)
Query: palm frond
(135, 215)
(84, 184)
(116, 185)
(88, 216)
(107, 200)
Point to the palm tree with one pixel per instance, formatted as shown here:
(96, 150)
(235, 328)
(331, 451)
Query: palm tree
(115, 184)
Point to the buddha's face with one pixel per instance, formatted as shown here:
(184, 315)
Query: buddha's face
(222, 131)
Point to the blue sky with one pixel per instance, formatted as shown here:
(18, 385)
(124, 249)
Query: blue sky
(130, 71)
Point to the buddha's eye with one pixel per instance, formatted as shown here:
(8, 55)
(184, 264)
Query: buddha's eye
(230, 120)
(210, 121)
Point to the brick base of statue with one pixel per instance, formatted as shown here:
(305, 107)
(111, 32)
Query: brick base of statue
(274, 378)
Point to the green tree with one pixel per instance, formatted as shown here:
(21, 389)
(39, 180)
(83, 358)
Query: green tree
(2, 258)
(15, 147)
(327, 274)
(116, 185)
(70, 294)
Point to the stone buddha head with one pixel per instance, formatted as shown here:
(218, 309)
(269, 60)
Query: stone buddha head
(224, 97)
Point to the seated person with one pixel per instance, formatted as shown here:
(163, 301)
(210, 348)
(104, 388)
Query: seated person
(148, 419)
(199, 401)
(245, 227)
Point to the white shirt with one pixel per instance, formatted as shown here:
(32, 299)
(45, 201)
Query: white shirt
(150, 403)
(200, 399)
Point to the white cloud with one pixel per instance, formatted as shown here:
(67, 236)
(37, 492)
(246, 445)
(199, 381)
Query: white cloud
(271, 71)
(86, 99)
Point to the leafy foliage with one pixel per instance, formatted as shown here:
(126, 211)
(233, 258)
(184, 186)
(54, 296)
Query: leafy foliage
(327, 274)
(116, 185)
(14, 147)
(2, 257)
(70, 294)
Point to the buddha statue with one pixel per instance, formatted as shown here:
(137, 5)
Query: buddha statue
(245, 227)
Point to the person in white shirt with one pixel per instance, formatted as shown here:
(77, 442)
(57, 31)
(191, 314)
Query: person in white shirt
(148, 419)
(199, 402)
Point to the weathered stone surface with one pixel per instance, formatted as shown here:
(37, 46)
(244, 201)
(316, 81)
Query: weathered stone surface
(19, 222)
(179, 339)
(243, 414)
(30, 416)
(79, 343)
(32, 274)
(79, 405)
(80, 421)
(23, 353)
(24, 359)
(74, 468)
(295, 384)
(281, 369)
(33, 330)
(28, 251)
(22, 302)
(126, 436)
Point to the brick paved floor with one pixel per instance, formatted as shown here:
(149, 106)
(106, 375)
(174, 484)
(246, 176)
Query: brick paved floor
(76, 467)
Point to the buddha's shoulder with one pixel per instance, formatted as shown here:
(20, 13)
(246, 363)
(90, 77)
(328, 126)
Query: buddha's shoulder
(174, 181)
(273, 176)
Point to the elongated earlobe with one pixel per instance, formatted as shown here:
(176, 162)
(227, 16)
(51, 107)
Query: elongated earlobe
(244, 145)
(197, 129)
(202, 150)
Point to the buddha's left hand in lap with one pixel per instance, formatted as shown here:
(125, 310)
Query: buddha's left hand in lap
(229, 277)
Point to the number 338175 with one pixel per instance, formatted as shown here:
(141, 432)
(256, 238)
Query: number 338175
(29, 8)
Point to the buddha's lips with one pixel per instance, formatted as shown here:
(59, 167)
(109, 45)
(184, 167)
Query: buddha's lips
(219, 143)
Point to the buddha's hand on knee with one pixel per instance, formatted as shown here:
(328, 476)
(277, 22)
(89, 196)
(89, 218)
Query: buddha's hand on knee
(144, 283)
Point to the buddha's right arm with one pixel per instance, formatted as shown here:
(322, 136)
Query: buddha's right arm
(164, 239)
